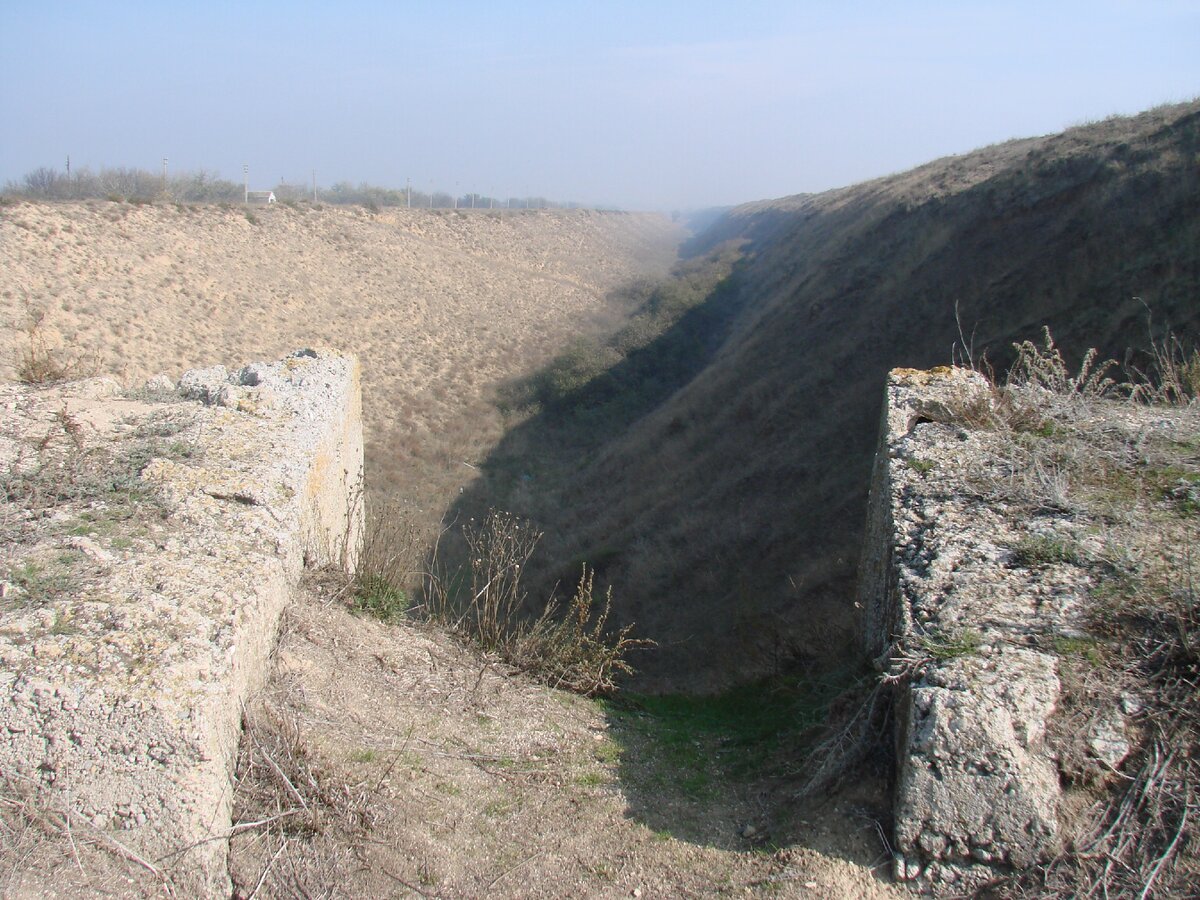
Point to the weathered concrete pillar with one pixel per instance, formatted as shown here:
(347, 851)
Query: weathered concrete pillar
(952, 621)
(181, 527)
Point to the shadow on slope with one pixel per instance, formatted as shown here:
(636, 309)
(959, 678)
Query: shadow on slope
(725, 503)
(727, 770)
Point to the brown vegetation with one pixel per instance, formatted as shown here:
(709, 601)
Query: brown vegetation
(439, 307)
(395, 760)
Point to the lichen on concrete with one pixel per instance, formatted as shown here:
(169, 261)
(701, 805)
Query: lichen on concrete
(152, 540)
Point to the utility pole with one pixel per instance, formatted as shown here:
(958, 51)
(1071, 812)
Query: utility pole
(246, 184)
(314, 174)
(408, 190)
(164, 174)
(68, 166)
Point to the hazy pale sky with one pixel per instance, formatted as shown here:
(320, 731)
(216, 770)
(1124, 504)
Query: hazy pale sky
(645, 105)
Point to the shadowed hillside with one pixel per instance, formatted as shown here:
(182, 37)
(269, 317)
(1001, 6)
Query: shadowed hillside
(726, 506)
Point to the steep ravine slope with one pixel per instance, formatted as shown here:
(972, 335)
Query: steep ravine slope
(729, 519)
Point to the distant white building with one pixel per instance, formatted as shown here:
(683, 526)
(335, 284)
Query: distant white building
(260, 198)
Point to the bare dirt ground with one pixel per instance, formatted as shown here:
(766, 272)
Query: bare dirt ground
(440, 306)
(391, 761)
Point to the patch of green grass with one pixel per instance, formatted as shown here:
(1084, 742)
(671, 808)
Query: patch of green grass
(365, 755)
(945, 647)
(1085, 648)
(1045, 550)
(377, 596)
(693, 743)
(590, 779)
(1047, 429)
(64, 624)
(921, 466)
(608, 751)
(43, 581)
(1179, 486)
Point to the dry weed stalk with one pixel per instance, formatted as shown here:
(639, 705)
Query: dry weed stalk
(284, 787)
(29, 819)
(40, 363)
(1176, 374)
(572, 647)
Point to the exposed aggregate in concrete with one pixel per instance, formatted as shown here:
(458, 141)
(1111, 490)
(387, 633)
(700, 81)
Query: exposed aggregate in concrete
(151, 542)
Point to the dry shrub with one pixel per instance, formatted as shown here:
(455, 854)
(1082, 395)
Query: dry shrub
(41, 363)
(573, 648)
(1043, 368)
(568, 646)
(283, 786)
(1174, 377)
(484, 601)
(388, 564)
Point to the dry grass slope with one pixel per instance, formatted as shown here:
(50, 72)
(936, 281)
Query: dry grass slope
(729, 516)
(440, 306)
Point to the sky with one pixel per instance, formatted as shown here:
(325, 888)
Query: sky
(642, 105)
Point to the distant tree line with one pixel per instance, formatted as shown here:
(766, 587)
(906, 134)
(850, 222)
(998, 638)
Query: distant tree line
(122, 183)
(143, 185)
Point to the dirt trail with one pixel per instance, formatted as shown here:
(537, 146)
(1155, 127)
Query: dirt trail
(417, 768)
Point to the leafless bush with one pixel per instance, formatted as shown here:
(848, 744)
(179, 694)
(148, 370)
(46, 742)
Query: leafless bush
(293, 812)
(283, 787)
(42, 363)
(123, 183)
(571, 647)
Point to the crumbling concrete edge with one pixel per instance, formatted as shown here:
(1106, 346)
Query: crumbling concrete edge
(132, 717)
(953, 627)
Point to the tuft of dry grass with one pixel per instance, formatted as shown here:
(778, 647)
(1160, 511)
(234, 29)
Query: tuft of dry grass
(1175, 378)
